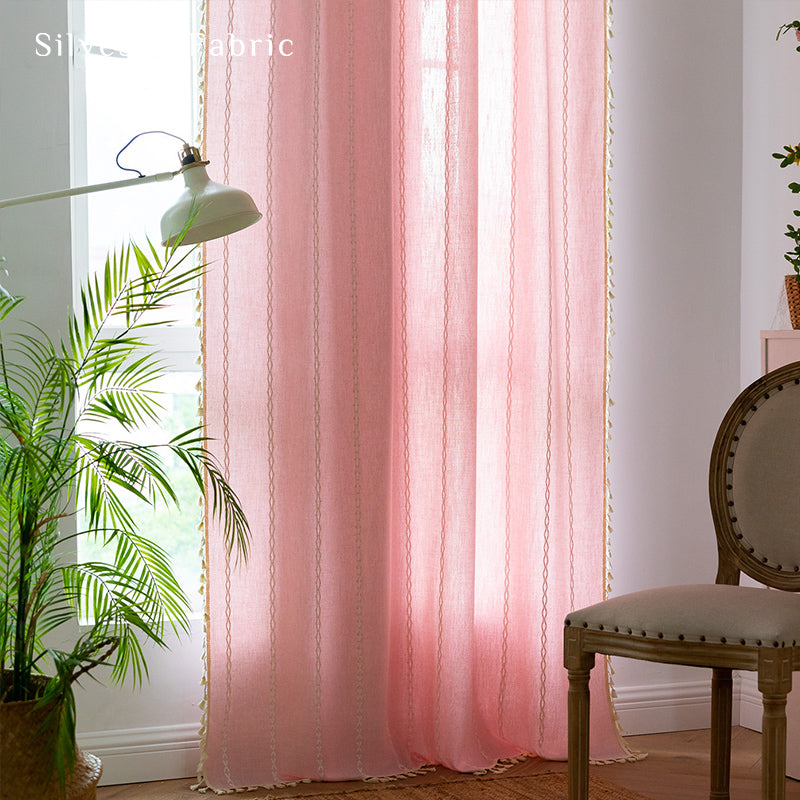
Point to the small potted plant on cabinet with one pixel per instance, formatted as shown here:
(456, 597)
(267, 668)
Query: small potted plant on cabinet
(54, 397)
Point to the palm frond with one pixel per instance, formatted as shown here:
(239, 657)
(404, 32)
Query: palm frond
(190, 447)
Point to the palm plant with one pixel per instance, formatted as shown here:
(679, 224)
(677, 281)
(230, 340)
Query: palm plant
(55, 470)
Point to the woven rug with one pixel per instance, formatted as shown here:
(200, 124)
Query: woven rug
(548, 786)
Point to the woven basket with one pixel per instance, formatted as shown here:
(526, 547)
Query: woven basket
(25, 759)
(793, 299)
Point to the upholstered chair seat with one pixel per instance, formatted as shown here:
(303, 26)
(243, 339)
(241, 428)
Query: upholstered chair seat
(754, 490)
(712, 613)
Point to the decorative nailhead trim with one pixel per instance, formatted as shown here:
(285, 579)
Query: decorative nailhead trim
(678, 637)
(734, 520)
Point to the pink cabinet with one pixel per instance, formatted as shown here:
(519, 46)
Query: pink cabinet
(779, 348)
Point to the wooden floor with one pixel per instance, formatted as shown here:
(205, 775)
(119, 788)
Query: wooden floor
(676, 767)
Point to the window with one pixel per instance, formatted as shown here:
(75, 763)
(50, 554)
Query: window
(135, 70)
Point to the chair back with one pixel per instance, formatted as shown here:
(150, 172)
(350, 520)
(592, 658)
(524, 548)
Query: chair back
(754, 483)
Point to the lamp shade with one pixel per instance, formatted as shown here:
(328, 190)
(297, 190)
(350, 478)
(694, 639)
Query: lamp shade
(216, 210)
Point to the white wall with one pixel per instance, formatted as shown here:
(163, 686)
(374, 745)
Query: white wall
(703, 94)
(676, 188)
(34, 157)
(771, 119)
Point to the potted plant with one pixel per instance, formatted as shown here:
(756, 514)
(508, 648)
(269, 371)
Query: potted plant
(791, 155)
(59, 464)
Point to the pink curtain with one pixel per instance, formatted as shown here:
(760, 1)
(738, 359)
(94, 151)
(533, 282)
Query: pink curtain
(405, 375)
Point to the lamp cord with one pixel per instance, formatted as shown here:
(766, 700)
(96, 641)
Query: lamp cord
(143, 133)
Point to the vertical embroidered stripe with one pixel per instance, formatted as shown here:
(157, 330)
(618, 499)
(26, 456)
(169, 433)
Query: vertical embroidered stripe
(565, 257)
(317, 418)
(401, 200)
(546, 526)
(226, 462)
(351, 113)
(201, 10)
(512, 235)
(609, 296)
(567, 301)
(445, 360)
(547, 507)
(268, 214)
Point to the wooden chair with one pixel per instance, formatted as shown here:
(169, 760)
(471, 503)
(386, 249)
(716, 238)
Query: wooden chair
(754, 486)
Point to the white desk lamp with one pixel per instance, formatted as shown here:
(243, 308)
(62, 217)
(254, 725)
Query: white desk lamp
(215, 209)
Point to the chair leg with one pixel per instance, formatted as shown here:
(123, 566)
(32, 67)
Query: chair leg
(579, 665)
(721, 720)
(773, 747)
(774, 683)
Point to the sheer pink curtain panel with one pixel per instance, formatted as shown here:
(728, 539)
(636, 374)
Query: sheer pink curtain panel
(405, 380)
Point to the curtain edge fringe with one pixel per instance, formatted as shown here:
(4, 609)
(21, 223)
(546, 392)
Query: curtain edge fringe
(630, 755)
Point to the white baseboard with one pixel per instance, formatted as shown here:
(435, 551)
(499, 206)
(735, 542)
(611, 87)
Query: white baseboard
(682, 706)
(750, 708)
(136, 755)
(173, 751)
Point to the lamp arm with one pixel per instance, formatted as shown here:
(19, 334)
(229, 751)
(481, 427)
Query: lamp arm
(98, 187)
